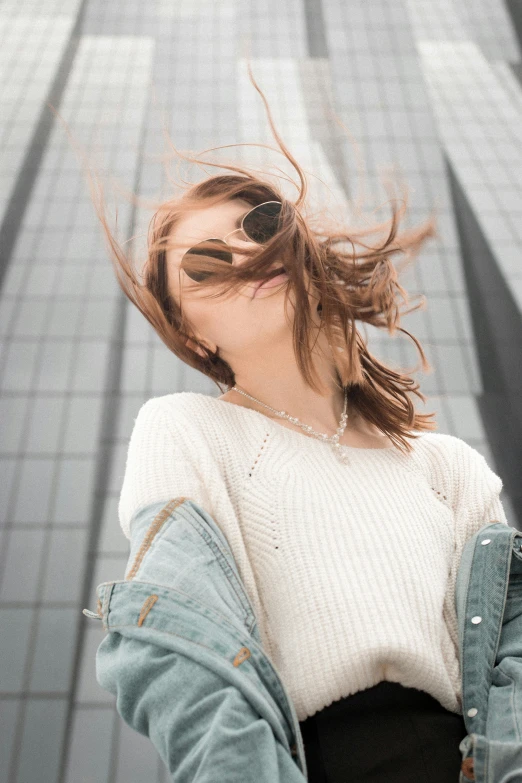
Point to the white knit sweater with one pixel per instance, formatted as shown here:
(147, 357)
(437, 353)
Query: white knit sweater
(350, 568)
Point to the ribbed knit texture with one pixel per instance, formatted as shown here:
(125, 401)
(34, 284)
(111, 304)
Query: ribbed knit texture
(350, 568)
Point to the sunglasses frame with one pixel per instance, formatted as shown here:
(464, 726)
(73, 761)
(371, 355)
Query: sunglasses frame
(223, 239)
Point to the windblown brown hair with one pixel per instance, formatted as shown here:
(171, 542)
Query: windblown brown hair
(349, 286)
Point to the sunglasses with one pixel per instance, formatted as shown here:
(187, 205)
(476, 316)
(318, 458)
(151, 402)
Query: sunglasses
(260, 224)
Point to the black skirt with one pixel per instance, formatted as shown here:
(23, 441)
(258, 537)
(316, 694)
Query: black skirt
(385, 734)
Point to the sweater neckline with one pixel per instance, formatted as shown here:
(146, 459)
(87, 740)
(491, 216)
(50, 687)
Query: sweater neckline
(301, 435)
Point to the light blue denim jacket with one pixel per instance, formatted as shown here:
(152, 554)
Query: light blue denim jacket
(183, 655)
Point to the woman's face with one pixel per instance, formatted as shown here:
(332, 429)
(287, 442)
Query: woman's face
(237, 323)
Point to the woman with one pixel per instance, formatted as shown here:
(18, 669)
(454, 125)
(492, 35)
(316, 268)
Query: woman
(312, 456)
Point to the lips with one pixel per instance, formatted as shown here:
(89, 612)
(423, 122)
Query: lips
(274, 281)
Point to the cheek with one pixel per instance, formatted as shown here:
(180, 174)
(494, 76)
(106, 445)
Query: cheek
(241, 322)
(235, 322)
(222, 319)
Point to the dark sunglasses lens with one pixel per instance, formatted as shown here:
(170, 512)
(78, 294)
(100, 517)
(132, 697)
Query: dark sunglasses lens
(206, 249)
(262, 223)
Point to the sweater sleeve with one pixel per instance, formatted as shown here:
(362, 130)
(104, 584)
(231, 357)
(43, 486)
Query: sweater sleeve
(476, 492)
(158, 465)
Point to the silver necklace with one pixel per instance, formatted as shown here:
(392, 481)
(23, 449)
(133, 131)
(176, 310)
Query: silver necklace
(339, 450)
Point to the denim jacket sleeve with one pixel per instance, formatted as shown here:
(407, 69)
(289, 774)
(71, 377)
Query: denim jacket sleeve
(183, 656)
(202, 727)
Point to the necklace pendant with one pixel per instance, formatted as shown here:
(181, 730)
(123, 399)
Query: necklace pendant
(342, 453)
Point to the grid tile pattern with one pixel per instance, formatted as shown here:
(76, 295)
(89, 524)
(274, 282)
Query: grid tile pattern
(491, 29)
(32, 47)
(427, 87)
(480, 127)
(61, 305)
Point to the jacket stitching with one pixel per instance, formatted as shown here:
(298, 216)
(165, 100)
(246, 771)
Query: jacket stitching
(209, 540)
(281, 693)
(109, 587)
(147, 606)
(242, 656)
(152, 530)
(227, 570)
(199, 605)
(180, 636)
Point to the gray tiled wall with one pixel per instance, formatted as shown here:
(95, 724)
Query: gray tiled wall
(431, 86)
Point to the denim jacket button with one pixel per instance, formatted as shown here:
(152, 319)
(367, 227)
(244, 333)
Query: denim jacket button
(486, 541)
(472, 712)
(476, 620)
(467, 768)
